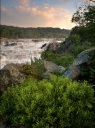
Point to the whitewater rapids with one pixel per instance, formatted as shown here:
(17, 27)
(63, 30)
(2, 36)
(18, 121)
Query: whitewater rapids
(22, 50)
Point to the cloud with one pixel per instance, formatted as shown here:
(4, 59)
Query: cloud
(24, 2)
(36, 16)
(6, 11)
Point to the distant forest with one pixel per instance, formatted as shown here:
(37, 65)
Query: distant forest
(40, 32)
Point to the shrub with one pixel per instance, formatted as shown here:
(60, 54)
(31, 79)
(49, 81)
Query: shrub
(77, 49)
(48, 55)
(57, 103)
(65, 60)
(61, 59)
(36, 69)
(75, 38)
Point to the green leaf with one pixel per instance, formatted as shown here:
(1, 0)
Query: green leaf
(89, 105)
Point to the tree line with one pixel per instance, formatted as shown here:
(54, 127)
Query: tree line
(40, 32)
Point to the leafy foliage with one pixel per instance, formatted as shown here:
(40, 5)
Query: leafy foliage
(35, 69)
(85, 15)
(75, 38)
(57, 103)
(85, 18)
(61, 59)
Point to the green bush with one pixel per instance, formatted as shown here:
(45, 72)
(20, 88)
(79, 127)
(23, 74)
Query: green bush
(48, 55)
(75, 38)
(35, 69)
(57, 103)
(64, 60)
(77, 50)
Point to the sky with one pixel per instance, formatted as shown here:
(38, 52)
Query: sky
(39, 13)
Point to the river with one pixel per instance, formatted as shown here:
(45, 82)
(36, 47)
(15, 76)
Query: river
(22, 50)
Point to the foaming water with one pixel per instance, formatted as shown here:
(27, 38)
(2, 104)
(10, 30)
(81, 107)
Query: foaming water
(21, 50)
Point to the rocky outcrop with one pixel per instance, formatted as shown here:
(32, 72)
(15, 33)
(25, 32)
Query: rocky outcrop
(53, 47)
(63, 47)
(10, 75)
(83, 58)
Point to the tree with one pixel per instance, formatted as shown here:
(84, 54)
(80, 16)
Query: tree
(85, 18)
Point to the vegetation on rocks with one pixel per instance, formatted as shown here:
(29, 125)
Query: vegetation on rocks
(35, 69)
(82, 37)
(61, 59)
(57, 103)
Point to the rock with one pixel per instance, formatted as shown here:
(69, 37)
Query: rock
(10, 43)
(53, 47)
(44, 45)
(65, 47)
(10, 75)
(60, 69)
(50, 68)
(73, 72)
(46, 75)
(84, 57)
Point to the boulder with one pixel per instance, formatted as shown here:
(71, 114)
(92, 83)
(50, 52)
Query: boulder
(60, 69)
(73, 72)
(83, 58)
(43, 46)
(53, 47)
(65, 47)
(10, 75)
(50, 68)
